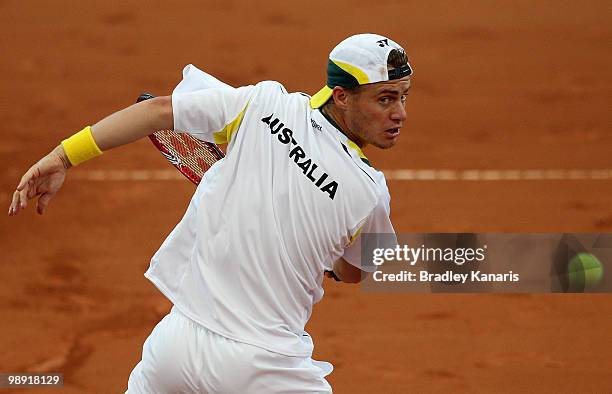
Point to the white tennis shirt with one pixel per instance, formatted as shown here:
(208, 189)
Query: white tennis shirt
(293, 193)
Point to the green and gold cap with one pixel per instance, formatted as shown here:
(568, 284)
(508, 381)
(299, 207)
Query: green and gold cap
(359, 60)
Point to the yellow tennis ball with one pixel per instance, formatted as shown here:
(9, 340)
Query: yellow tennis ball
(584, 271)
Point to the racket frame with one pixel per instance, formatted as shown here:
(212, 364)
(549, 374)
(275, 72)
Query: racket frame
(157, 141)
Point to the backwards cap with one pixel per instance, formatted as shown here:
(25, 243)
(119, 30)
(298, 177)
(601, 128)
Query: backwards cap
(359, 60)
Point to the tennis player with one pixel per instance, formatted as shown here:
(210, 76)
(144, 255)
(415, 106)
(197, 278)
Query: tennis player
(287, 204)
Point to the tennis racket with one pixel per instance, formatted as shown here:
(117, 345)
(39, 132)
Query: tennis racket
(187, 154)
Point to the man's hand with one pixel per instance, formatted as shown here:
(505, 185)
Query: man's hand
(43, 179)
(332, 275)
(46, 177)
(346, 272)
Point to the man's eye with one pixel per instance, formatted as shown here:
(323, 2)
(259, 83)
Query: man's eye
(404, 97)
(385, 100)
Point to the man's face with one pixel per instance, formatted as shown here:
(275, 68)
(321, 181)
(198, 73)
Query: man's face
(376, 113)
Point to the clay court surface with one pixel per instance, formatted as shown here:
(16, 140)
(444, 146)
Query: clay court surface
(498, 86)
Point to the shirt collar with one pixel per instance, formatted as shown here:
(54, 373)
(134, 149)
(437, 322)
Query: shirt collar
(333, 126)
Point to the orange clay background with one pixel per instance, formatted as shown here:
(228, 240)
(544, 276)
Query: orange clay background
(498, 85)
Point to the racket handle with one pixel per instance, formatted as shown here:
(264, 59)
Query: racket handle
(334, 276)
(144, 96)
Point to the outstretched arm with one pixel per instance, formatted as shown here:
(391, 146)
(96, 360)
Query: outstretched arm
(47, 176)
(134, 122)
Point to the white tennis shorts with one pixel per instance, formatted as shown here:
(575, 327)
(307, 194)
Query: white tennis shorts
(181, 356)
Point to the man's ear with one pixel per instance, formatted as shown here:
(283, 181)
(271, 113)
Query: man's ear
(340, 97)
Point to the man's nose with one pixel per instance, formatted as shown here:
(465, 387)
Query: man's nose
(399, 112)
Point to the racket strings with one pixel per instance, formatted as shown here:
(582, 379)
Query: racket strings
(192, 154)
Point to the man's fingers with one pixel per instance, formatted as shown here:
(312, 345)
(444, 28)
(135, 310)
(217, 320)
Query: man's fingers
(32, 189)
(37, 181)
(43, 202)
(26, 178)
(22, 183)
(19, 202)
(34, 172)
(23, 196)
(13, 209)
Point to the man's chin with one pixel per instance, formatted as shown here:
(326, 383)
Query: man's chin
(385, 144)
(388, 139)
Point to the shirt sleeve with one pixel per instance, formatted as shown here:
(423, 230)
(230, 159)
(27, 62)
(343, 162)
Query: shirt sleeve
(376, 231)
(212, 115)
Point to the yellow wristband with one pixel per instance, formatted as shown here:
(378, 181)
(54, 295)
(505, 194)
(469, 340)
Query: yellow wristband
(81, 147)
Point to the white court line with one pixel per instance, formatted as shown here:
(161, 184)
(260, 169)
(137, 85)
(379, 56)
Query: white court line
(128, 175)
(497, 175)
(392, 175)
